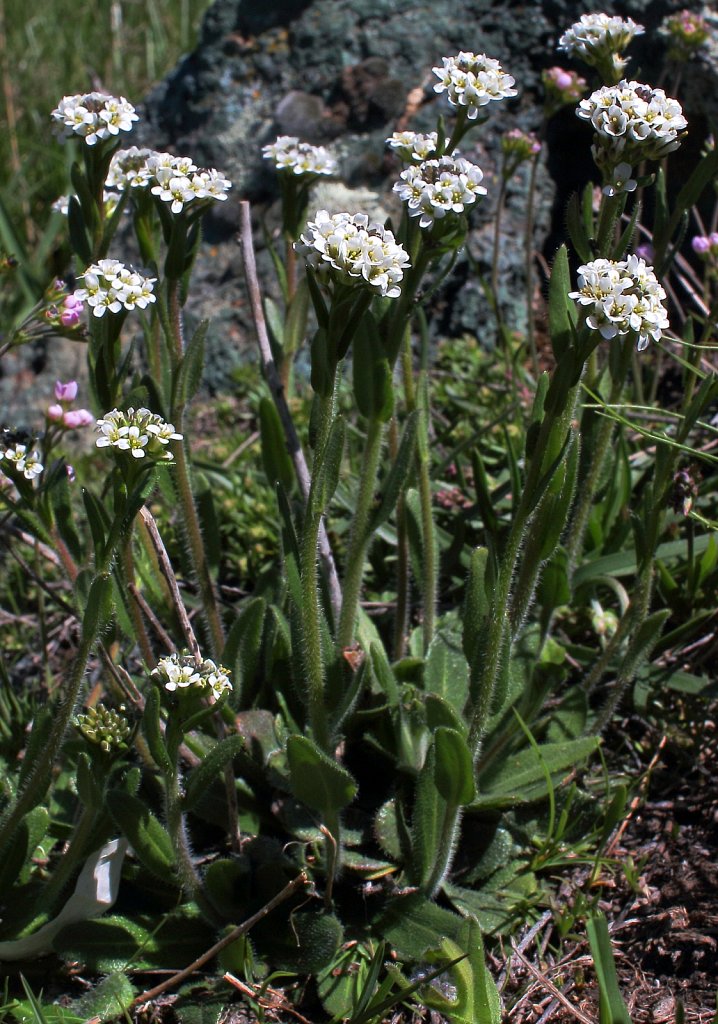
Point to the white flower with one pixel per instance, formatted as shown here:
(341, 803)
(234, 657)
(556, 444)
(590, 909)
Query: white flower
(472, 80)
(178, 181)
(137, 431)
(354, 251)
(621, 297)
(129, 169)
(300, 158)
(109, 285)
(93, 116)
(621, 181)
(16, 457)
(599, 37)
(435, 188)
(413, 147)
(178, 672)
(633, 122)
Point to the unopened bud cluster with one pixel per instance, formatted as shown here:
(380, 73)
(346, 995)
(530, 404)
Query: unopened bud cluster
(562, 87)
(93, 116)
(351, 251)
(472, 80)
(138, 431)
(435, 188)
(61, 413)
(105, 727)
(686, 33)
(300, 158)
(181, 672)
(620, 298)
(110, 285)
(633, 122)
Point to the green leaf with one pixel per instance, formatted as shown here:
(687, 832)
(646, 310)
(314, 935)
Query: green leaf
(317, 780)
(276, 460)
(243, 651)
(562, 315)
(78, 235)
(98, 522)
(295, 324)
(611, 1007)
(148, 838)
(454, 771)
(373, 388)
(153, 732)
(89, 788)
(23, 843)
(522, 777)
(412, 924)
(189, 371)
(578, 231)
(98, 610)
(446, 672)
(397, 476)
(476, 999)
(202, 776)
(106, 1000)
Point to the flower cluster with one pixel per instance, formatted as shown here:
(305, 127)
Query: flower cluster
(93, 116)
(173, 179)
(518, 146)
(563, 88)
(598, 39)
(105, 727)
(349, 249)
(111, 285)
(472, 80)
(180, 671)
(300, 158)
(137, 431)
(633, 122)
(622, 297)
(413, 147)
(435, 188)
(64, 311)
(60, 412)
(686, 32)
(18, 458)
(706, 245)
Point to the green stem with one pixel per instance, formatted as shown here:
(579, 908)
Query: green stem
(430, 581)
(183, 487)
(529, 265)
(401, 617)
(360, 537)
(143, 640)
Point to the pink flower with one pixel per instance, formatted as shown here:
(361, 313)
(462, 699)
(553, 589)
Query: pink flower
(55, 413)
(66, 392)
(700, 244)
(77, 418)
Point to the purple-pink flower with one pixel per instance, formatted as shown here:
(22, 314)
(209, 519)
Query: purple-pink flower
(66, 392)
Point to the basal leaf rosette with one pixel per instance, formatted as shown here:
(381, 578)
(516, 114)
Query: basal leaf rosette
(346, 250)
(620, 298)
(632, 122)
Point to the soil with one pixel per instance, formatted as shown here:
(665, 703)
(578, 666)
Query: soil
(664, 927)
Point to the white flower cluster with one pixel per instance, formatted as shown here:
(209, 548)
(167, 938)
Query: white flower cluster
(472, 80)
(93, 116)
(351, 249)
(289, 154)
(178, 672)
(173, 179)
(111, 285)
(137, 431)
(413, 147)
(439, 187)
(598, 37)
(17, 458)
(128, 168)
(633, 122)
(621, 297)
